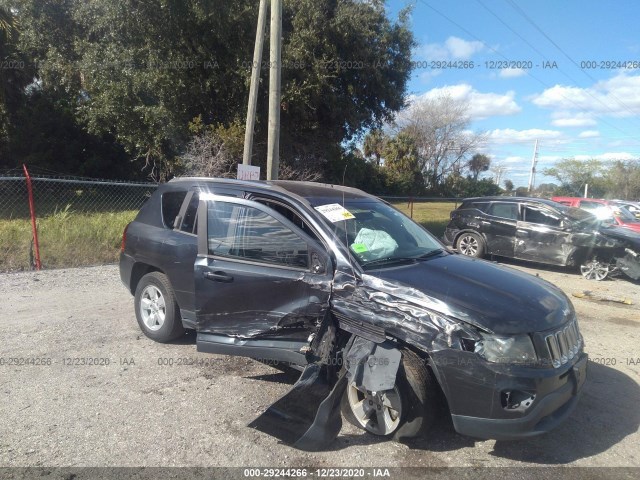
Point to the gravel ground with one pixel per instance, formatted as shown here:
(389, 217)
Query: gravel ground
(137, 412)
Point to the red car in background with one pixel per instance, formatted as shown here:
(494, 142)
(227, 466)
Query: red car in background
(604, 209)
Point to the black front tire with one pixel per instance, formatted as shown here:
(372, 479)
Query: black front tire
(156, 308)
(417, 389)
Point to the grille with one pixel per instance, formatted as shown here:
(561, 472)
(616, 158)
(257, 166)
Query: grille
(564, 344)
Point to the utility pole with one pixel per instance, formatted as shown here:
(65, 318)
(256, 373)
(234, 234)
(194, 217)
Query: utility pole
(275, 49)
(255, 82)
(534, 161)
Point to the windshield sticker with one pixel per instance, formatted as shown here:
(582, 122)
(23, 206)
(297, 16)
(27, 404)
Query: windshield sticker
(335, 212)
(359, 247)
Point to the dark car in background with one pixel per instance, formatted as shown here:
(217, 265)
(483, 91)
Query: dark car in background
(542, 231)
(300, 272)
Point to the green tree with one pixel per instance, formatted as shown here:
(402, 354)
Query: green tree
(401, 165)
(622, 179)
(508, 185)
(374, 145)
(15, 74)
(479, 163)
(139, 72)
(574, 174)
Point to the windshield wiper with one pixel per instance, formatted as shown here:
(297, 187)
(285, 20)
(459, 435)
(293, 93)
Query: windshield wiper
(430, 254)
(383, 261)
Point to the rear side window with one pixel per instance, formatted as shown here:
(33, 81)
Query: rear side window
(251, 234)
(482, 206)
(171, 203)
(189, 222)
(504, 210)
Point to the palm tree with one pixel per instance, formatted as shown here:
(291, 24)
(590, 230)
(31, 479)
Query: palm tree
(374, 145)
(478, 163)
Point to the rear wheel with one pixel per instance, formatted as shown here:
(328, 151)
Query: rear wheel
(156, 309)
(470, 244)
(407, 410)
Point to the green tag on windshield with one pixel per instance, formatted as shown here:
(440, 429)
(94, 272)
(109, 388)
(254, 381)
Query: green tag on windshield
(359, 247)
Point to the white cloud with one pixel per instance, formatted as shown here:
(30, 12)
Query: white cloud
(427, 75)
(608, 156)
(589, 134)
(481, 105)
(512, 72)
(618, 96)
(514, 160)
(454, 48)
(462, 49)
(509, 135)
(567, 119)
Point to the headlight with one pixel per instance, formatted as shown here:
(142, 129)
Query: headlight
(512, 349)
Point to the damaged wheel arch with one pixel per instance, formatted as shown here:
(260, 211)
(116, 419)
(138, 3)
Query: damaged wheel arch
(408, 410)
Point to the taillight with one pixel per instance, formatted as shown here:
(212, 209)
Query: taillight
(124, 238)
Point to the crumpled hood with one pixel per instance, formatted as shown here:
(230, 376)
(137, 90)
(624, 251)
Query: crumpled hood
(498, 298)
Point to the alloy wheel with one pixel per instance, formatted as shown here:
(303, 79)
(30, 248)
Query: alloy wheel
(377, 412)
(153, 309)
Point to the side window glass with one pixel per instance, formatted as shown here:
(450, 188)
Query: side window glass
(293, 217)
(189, 222)
(250, 234)
(171, 203)
(543, 217)
(482, 206)
(504, 210)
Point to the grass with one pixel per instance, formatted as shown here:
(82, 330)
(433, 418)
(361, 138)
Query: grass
(434, 216)
(67, 239)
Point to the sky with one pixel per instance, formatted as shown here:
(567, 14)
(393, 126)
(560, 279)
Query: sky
(574, 84)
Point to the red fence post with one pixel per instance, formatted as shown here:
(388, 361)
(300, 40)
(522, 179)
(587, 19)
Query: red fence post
(32, 210)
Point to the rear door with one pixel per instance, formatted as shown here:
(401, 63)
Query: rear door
(540, 236)
(255, 272)
(500, 231)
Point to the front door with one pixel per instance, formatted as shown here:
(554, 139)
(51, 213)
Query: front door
(255, 272)
(540, 236)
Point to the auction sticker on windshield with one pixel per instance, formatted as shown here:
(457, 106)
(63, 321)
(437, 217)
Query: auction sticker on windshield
(334, 212)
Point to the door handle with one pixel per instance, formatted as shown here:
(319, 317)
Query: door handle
(523, 233)
(218, 277)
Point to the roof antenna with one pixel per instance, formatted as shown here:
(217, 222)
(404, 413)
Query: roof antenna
(346, 235)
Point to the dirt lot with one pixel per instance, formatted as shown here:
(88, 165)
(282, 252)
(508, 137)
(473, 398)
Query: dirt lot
(135, 411)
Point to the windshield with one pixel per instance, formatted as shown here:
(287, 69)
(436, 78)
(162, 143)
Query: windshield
(624, 214)
(577, 214)
(377, 234)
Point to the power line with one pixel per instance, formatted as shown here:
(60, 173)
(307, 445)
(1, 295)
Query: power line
(526, 71)
(518, 9)
(544, 56)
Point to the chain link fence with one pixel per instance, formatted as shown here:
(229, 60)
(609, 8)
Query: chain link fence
(79, 220)
(52, 195)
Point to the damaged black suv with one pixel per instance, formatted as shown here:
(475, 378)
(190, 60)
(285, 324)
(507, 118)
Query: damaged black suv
(383, 319)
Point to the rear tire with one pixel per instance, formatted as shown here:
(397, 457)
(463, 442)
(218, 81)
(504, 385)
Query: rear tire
(410, 406)
(156, 308)
(470, 244)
